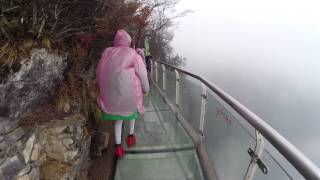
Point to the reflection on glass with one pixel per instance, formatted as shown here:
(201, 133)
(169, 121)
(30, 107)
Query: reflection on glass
(171, 85)
(227, 141)
(190, 100)
(159, 166)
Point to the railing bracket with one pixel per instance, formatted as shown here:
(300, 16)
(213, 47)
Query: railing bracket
(257, 160)
(203, 108)
(256, 155)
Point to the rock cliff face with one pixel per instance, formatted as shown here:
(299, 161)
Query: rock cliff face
(58, 149)
(33, 84)
(65, 146)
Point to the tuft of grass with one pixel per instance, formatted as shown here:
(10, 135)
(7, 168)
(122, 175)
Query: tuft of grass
(46, 43)
(11, 54)
(62, 100)
(8, 55)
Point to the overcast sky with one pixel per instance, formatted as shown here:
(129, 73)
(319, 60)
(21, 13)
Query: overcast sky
(279, 38)
(273, 28)
(265, 53)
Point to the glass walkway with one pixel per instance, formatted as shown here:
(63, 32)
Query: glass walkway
(163, 150)
(194, 130)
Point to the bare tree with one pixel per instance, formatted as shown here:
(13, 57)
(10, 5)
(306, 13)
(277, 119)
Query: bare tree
(161, 24)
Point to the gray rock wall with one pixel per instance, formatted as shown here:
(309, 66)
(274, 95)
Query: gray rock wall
(65, 146)
(58, 150)
(12, 142)
(33, 84)
(55, 150)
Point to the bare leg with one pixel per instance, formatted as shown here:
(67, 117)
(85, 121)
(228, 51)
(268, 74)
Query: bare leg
(131, 127)
(118, 131)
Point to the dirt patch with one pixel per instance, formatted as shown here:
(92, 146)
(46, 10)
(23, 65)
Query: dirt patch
(42, 115)
(53, 170)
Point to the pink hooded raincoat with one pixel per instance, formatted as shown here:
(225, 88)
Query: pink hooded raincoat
(122, 78)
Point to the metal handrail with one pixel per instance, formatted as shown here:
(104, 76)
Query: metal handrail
(297, 159)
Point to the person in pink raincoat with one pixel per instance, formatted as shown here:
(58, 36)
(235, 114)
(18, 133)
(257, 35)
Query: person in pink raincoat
(140, 51)
(122, 80)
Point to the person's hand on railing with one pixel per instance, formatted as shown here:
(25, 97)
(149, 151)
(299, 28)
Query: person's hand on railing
(145, 93)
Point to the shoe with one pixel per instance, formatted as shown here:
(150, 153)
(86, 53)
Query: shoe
(119, 151)
(131, 140)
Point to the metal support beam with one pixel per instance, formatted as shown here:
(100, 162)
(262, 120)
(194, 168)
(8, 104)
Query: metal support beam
(151, 70)
(156, 70)
(163, 78)
(177, 88)
(203, 107)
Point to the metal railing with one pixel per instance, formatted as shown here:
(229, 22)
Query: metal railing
(263, 131)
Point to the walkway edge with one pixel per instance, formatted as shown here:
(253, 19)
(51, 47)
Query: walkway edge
(207, 166)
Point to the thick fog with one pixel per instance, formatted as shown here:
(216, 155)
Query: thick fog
(266, 54)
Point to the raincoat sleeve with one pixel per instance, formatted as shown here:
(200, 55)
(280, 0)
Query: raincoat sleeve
(141, 72)
(103, 59)
(99, 70)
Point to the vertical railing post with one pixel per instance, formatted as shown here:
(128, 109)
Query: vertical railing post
(164, 78)
(203, 108)
(156, 71)
(151, 70)
(177, 88)
(256, 158)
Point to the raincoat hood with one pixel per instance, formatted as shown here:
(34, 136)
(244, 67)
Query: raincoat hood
(122, 38)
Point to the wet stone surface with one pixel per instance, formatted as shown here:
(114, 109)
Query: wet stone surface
(11, 167)
(33, 84)
(58, 149)
(7, 124)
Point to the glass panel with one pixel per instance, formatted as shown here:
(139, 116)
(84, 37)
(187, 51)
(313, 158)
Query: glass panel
(279, 167)
(156, 100)
(147, 99)
(159, 166)
(190, 100)
(171, 85)
(276, 171)
(227, 140)
(159, 130)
